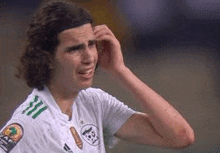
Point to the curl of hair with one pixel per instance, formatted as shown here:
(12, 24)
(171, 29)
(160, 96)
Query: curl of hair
(36, 63)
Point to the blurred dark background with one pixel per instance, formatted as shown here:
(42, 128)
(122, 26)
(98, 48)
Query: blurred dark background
(172, 45)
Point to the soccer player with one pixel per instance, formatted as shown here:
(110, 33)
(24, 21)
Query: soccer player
(64, 113)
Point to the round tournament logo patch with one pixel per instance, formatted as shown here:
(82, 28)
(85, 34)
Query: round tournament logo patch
(14, 132)
(10, 136)
(90, 134)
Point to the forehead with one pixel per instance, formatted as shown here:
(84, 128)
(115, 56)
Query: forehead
(77, 34)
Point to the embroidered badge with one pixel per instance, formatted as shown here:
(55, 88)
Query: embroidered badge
(76, 137)
(90, 134)
(10, 136)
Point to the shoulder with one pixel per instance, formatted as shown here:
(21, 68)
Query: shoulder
(92, 100)
(96, 93)
(30, 112)
(92, 91)
(25, 125)
(98, 97)
(31, 109)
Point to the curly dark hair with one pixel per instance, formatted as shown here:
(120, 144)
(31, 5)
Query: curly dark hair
(36, 63)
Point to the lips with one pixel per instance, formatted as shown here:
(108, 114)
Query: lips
(86, 73)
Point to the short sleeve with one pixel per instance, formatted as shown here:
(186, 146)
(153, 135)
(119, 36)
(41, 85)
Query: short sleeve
(16, 137)
(114, 113)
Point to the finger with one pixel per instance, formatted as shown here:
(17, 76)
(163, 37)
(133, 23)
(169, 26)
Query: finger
(105, 38)
(102, 34)
(102, 29)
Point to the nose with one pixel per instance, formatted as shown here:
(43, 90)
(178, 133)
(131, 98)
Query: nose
(87, 56)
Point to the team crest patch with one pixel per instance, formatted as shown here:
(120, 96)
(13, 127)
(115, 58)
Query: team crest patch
(10, 136)
(90, 134)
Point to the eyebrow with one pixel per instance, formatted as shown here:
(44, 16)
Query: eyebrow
(79, 46)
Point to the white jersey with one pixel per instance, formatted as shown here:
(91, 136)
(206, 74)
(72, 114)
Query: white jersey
(39, 126)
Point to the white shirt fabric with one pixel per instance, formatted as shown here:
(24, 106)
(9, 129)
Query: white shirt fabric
(96, 117)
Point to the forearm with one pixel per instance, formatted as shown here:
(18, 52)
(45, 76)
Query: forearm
(164, 118)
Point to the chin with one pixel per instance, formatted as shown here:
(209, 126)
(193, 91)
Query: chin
(85, 86)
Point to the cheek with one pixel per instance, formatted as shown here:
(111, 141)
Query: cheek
(95, 54)
(67, 66)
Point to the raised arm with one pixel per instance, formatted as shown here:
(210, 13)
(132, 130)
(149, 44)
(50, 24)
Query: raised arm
(160, 124)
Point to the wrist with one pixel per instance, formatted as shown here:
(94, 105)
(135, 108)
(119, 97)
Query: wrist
(120, 71)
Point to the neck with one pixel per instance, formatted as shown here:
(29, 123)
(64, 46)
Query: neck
(63, 98)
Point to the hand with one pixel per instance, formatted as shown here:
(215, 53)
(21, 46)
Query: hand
(110, 57)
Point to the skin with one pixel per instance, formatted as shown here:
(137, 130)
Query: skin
(76, 57)
(160, 124)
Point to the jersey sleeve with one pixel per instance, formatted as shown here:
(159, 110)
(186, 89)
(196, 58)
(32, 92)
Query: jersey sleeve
(10, 135)
(21, 134)
(17, 137)
(114, 115)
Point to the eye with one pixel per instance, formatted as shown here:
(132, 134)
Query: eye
(74, 48)
(92, 43)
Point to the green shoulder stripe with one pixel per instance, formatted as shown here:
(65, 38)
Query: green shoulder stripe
(31, 104)
(35, 108)
(40, 111)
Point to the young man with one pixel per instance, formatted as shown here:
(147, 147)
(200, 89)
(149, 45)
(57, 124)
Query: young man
(63, 113)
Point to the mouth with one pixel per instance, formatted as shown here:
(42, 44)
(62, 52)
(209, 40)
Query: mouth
(86, 73)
